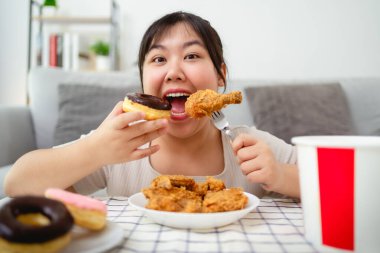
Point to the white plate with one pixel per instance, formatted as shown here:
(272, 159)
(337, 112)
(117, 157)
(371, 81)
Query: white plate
(192, 220)
(85, 241)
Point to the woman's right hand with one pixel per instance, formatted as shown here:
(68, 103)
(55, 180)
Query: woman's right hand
(116, 140)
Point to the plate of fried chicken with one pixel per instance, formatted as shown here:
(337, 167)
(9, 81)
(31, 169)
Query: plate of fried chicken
(178, 201)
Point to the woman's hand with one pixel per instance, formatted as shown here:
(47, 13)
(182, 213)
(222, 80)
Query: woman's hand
(116, 140)
(257, 162)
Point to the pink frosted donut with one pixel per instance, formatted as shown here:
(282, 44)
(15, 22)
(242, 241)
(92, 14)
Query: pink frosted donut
(87, 212)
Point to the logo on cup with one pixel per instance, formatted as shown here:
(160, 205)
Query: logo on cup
(336, 189)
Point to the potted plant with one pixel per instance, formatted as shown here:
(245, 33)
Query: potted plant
(52, 3)
(101, 50)
(49, 7)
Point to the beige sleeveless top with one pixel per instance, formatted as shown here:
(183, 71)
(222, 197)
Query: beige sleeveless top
(129, 178)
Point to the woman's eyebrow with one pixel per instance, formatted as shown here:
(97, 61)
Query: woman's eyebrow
(193, 42)
(185, 45)
(156, 46)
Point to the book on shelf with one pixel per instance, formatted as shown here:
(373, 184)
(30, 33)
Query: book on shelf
(53, 58)
(61, 50)
(74, 51)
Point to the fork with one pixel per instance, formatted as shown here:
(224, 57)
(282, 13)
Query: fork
(220, 122)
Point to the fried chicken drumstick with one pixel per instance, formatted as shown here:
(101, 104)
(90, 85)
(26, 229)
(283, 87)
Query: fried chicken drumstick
(205, 102)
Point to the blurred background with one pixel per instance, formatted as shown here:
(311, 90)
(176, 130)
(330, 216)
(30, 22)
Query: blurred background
(289, 39)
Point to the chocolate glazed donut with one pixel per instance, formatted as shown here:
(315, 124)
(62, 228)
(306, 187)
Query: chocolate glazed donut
(14, 231)
(153, 107)
(149, 100)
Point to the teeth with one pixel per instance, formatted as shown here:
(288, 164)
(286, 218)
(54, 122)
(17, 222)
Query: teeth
(177, 113)
(179, 94)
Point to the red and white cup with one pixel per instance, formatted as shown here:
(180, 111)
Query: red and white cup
(340, 191)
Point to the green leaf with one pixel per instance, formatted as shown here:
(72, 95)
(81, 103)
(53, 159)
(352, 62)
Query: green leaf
(100, 48)
(50, 3)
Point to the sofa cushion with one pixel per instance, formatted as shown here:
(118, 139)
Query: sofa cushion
(3, 172)
(364, 102)
(16, 133)
(83, 107)
(293, 110)
(43, 95)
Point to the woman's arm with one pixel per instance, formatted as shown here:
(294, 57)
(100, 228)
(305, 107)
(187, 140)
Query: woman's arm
(116, 140)
(289, 184)
(57, 167)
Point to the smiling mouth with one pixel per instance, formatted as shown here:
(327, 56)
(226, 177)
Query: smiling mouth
(177, 101)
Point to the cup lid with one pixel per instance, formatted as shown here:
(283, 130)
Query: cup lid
(337, 141)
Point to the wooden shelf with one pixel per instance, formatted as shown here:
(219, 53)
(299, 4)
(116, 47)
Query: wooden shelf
(72, 20)
(40, 20)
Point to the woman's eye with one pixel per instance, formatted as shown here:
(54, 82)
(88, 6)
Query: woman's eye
(191, 56)
(158, 59)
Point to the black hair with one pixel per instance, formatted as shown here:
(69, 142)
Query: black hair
(202, 28)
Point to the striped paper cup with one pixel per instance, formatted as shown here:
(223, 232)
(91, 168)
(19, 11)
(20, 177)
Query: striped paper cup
(340, 191)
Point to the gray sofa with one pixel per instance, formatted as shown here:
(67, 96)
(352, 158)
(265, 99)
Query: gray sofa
(63, 105)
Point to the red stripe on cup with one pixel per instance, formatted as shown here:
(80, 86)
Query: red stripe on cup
(336, 188)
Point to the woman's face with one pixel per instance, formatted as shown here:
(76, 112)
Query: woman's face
(176, 66)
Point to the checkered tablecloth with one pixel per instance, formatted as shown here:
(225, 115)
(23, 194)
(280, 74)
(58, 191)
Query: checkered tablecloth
(276, 225)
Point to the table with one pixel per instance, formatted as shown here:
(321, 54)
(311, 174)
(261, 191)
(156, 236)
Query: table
(276, 225)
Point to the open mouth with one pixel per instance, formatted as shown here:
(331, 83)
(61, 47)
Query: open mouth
(177, 101)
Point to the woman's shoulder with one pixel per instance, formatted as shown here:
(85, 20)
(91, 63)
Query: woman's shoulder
(238, 129)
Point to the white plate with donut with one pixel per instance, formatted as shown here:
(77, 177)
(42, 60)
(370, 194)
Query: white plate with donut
(192, 220)
(86, 241)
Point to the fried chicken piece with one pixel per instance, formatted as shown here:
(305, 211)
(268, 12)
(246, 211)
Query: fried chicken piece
(225, 200)
(205, 102)
(177, 193)
(215, 184)
(211, 184)
(173, 200)
(170, 181)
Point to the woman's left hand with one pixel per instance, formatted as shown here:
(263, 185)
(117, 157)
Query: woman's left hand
(258, 162)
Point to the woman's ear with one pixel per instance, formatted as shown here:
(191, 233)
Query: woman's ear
(221, 82)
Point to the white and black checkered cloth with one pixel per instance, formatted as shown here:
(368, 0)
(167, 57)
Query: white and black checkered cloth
(276, 225)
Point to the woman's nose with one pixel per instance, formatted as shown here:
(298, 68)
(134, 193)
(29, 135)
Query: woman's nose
(175, 72)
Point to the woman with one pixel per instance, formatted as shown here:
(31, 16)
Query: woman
(180, 53)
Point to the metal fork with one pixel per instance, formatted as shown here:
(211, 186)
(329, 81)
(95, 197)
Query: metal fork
(220, 122)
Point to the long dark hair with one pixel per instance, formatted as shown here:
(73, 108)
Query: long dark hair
(202, 27)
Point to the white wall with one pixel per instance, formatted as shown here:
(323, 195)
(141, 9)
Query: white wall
(275, 39)
(266, 38)
(13, 51)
